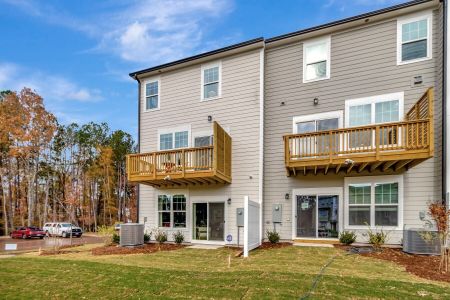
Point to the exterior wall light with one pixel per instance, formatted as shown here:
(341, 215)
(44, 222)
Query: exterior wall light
(316, 101)
(209, 118)
(229, 201)
(286, 196)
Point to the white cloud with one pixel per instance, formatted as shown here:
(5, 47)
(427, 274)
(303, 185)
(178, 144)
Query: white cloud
(342, 5)
(144, 31)
(53, 88)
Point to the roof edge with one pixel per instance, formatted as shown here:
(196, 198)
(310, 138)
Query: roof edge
(198, 56)
(347, 20)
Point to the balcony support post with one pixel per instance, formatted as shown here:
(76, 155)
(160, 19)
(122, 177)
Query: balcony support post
(154, 166)
(377, 142)
(183, 163)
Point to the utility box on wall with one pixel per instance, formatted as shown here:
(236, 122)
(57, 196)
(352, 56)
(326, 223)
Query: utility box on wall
(277, 214)
(240, 217)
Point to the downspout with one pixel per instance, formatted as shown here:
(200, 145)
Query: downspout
(138, 143)
(445, 108)
(261, 140)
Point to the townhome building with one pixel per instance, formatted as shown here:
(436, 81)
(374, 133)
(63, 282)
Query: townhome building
(339, 127)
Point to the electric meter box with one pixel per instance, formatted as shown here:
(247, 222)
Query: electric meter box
(240, 217)
(277, 210)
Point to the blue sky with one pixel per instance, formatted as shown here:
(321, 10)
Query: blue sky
(77, 54)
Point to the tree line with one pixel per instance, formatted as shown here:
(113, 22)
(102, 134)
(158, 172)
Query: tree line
(52, 172)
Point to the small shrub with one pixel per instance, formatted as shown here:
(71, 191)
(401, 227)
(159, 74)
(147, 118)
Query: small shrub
(116, 238)
(147, 236)
(377, 238)
(273, 236)
(106, 232)
(178, 237)
(347, 237)
(160, 236)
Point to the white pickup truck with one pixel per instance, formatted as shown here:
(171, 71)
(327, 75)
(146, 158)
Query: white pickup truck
(62, 229)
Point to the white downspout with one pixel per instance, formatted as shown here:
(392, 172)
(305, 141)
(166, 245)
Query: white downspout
(261, 140)
(447, 107)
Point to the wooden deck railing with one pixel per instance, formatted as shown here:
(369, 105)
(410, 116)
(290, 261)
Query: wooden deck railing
(413, 135)
(195, 162)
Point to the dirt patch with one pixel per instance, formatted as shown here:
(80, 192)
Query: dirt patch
(269, 245)
(425, 266)
(146, 248)
(60, 250)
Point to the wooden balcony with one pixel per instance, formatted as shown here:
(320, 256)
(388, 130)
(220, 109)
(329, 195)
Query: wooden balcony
(182, 167)
(389, 146)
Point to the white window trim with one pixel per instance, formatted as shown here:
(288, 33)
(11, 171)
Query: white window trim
(372, 180)
(208, 66)
(412, 18)
(171, 194)
(328, 115)
(326, 39)
(373, 100)
(173, 130)
(150, 80)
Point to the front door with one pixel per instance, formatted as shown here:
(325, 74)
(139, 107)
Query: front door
(317, 216)
(209, 221)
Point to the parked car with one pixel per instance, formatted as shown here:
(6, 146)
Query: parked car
(62, 229)
(28, 232)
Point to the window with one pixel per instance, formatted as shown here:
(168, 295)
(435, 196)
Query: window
(373, 110)
(211, 81)
(317, 122)
(172, 211)
(152, 95)
(374, 201)
(316, 60)
(174, 138)
(414, 39)
(164, 211)
(179, 211)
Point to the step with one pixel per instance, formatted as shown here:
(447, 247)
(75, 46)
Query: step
(317, 241)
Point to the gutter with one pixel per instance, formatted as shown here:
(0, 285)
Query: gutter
(261, 140)
(348, 20)
(138, 145)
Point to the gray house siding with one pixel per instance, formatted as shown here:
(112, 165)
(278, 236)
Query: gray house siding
(237, 111)
(363, 63)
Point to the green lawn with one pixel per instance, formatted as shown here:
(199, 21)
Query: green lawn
(204, 274)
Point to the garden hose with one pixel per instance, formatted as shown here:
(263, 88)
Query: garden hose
(319, 276)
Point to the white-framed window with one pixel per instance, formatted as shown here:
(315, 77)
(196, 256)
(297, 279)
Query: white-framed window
(316, 59)
(152, 90)
(172, 211)
(414, 38)
(174, 138)
(373, 110)
(375, 201)
(211, 81)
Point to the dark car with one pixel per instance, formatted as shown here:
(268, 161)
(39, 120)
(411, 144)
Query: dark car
(28, 232)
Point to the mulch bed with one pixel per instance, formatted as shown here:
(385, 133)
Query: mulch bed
(269, 245)
(146, 248)
(425, 266)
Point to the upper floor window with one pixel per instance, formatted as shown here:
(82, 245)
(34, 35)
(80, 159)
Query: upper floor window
(173, 138)
(413, 39)
(152, 95)
(211, 81)
(316, 60)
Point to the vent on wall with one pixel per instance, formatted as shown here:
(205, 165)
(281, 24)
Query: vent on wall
(421, 241)
(131, 234)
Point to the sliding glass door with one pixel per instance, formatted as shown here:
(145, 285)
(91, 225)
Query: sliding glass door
(317, 216)
(209, 221)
